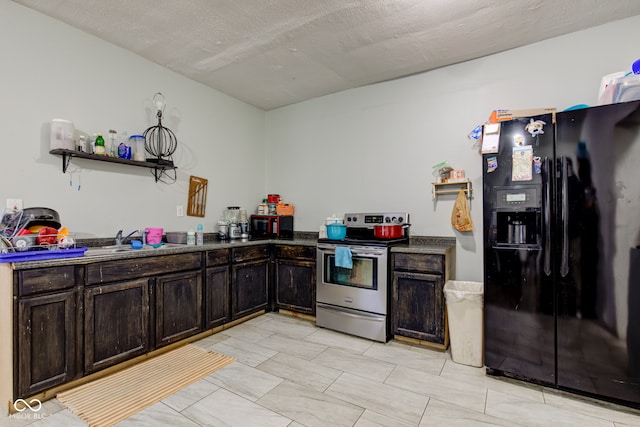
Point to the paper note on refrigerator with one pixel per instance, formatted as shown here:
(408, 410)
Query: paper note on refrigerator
(522, 160)
(491, 138)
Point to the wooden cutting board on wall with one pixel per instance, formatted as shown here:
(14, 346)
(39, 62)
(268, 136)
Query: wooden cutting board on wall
(197, 196)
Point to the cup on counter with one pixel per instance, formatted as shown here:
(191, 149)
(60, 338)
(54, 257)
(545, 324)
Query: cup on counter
(154, 235)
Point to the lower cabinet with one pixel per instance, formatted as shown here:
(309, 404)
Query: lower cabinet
(72, 321)
(46, 342)
(249, 280)
(419, 310)
(47, 333)
(120, 312)
(116, 323)
(216, 289)
(295, 276)
(178, 307)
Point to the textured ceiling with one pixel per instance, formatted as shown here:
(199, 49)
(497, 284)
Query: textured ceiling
(271, 53)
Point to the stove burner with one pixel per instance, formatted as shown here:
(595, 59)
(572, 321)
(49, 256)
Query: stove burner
(360, 229)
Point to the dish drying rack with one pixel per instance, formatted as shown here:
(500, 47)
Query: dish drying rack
(16, 246)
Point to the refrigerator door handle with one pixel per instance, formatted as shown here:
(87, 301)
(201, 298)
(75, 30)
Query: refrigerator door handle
(564, 260)
(546, 187)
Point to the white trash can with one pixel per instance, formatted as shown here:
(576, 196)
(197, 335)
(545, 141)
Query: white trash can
(465, 304)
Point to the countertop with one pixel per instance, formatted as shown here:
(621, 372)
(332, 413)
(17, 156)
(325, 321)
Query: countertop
(418, 245)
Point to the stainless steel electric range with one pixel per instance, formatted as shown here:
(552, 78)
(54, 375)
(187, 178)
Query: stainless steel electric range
(353, 295)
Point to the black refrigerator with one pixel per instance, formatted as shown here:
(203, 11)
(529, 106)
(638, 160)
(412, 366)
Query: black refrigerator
(561, 228)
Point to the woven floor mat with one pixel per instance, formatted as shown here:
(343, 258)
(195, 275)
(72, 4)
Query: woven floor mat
(109, 400)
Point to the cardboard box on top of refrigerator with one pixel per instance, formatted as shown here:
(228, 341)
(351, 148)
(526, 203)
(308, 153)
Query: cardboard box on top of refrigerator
(498, 116)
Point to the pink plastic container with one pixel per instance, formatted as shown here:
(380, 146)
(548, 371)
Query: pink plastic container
(154, 236)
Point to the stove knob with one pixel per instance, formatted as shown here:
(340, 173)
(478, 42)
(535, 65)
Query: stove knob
(387, 219)
(348, 219)
(355, 219)
(400, 220)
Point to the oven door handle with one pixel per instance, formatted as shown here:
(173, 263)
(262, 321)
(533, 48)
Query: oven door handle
(364, 254)
(357, 252)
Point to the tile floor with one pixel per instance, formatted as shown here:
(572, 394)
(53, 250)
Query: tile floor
(291, 373)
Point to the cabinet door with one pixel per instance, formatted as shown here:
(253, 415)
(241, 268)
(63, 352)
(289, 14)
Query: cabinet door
(295, 285)
(249, 287)
(178, 303)
(116, 323)
(46, 341)
(418, 306)
(216, 306)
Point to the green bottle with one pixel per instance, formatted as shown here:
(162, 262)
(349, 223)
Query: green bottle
(99, 145)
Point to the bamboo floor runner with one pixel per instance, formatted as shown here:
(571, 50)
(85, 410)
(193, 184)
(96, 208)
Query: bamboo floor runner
(109, 400)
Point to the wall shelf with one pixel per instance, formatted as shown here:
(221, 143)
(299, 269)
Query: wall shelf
(67, 155)
(438, 188)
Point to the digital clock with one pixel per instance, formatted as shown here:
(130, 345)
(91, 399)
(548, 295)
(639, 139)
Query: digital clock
(518, 197)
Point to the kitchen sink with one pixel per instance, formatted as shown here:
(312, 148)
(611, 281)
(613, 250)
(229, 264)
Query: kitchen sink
(114, 249)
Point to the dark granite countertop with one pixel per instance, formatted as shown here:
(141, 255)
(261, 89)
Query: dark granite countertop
(419, 245)
(427, 245)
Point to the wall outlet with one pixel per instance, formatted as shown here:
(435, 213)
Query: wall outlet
(180, 210)
(15, 204)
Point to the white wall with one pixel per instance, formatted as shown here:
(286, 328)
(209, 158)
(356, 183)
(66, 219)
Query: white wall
(368, 149)
(50, 70)
(372, 148)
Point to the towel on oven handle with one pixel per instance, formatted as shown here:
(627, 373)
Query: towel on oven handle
(343, 257)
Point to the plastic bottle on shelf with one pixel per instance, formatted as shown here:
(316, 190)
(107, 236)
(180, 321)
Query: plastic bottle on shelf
(82, 144)
(199, 235)
(123, 141)
(99, 145)
(112, 150)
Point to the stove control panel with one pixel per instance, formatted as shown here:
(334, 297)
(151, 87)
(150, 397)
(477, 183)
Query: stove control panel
(366, 220)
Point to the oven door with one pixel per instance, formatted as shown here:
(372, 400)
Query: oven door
(362, 287)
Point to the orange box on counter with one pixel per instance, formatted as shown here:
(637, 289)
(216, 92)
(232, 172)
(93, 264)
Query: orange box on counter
(284, 209)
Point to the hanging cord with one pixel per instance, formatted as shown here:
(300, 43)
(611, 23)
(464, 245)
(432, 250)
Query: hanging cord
(166, 176)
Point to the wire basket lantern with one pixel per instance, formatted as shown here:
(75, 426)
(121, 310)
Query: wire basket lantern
(160, 141)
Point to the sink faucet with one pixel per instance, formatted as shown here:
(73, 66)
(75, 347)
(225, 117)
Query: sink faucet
(120, 240)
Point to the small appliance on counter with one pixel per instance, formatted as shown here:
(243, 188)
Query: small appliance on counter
(273, 218)
(272, 226)
(233, 224)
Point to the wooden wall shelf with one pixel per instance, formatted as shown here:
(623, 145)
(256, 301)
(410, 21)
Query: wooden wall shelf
(438, 188)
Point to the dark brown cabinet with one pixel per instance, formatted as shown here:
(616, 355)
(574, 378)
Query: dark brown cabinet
(119, 311)
(216, 289)
(419, 310)
(178, 307)
(74, 320)
(116, 323)
(295, 278)
(46, 333)
(249, 280)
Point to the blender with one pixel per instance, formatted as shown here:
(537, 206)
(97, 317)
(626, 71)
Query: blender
(243, 222)
(231, 216)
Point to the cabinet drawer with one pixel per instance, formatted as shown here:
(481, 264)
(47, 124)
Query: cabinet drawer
(296, 252)
(217, 257)
(45, 280)
(111, 271)
(418, 262)
(250, 252)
